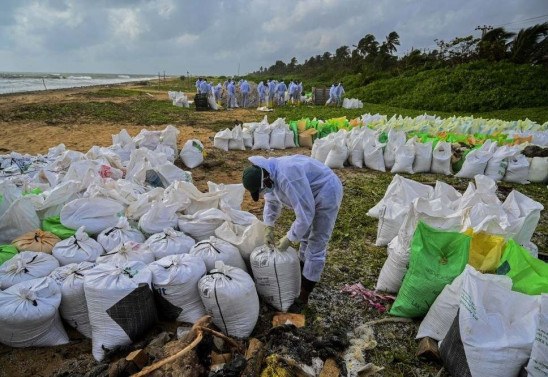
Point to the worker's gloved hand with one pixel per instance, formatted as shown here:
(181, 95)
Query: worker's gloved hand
(269, 236)
(283, 244)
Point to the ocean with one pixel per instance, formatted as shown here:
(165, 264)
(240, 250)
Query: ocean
(15, 82)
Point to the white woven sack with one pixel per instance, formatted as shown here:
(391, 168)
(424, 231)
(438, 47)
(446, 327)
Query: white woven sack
(321, 148)
(423, 157)
(448, 194)
(233, 194)
(441, 159)
(190, 198)
(475, 163)
(26, 265)
(373, 158)
(221, 139)
(391, 218)
(112, 237)
(537, 366)
(247, 138)
(215, 249)
(19, 218)
(161, 215)
(95, 214)
(29, 315)
(245, 238)
(192, 153)
(538, 170)
(395, 140)
(74, 309)
(127, 252)
(229, 296)
(169, 242)
(517, 170)
(277, 275)
(78, 248)
(337, 155)
(261, 137)
(523, 214)
(489, 327)
(355, 147)
(120, 305)
(237, 140)
(277, 136)
(404, 158)
(442, 313)
(289, 139)
(202, 224)
(175, 283)
(496, 166)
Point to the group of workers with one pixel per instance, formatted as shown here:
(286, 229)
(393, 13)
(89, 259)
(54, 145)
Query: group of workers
(269, 94)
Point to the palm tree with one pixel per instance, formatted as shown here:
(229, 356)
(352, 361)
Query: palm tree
(526, 48)
(368, 45)
(342, 53)
(392, 40)
(493, 45)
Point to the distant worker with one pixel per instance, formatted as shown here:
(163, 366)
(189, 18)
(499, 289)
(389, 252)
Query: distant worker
(332, 100)
(340, 94)
(244, 89)
(281, 88)
(271, 92)
(198, 82)
(261, 91)
(205, 87)
(217, 91)
(299, 91)
(231, 89)
(314, 192)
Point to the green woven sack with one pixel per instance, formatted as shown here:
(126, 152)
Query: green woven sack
(437, 257)
(53, 224)
(7, 252)
(529, 275)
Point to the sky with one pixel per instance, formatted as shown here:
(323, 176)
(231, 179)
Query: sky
(206, 37)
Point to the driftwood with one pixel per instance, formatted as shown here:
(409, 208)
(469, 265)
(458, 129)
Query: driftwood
(196, 333)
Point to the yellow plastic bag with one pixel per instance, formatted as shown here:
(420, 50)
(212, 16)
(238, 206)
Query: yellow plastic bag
(485, 250)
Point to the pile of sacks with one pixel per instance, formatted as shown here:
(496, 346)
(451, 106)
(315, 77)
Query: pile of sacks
(260, 135)
(361, 148)
(179, 99)
(125, 247)
(466, 256)
(352, 103)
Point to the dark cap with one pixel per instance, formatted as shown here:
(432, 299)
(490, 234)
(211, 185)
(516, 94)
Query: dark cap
(252, 180)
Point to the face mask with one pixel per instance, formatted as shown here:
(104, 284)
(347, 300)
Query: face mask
(264, 189)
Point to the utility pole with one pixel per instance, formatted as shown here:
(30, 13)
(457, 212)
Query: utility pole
(484, 29)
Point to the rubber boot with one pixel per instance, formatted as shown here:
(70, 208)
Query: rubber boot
(300, 303)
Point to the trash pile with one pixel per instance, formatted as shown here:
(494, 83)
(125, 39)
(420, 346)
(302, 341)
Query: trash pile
(260, 135)
(394, 152)
(111, 240)
(458, 260)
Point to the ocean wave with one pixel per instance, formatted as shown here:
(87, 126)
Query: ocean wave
(80, 78)
(123, 76)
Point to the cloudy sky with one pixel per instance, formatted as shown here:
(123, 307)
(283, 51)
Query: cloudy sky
(217, 37)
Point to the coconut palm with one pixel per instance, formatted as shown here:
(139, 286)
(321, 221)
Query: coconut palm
(493, 45)
(526, 47)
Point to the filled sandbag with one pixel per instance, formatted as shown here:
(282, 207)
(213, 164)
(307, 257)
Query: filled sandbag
(160, 216)
(192, 153)
(395, 140)
(78, 248)
(497, 164)
(29, 314)
(202, 224)
(74, 309)
(53, 225)
(111, 238)
(96, 214)
(523, 215)
(538, 170)
(337, 155)
(232, 194)
(37, 240)
(127, 252)
(26, 265)
(245, 237)
(229, 296)
(120, 305)
(373, 158)
(277, 275)
(175, 283)
(237, 140)
(537, 366)
(437, 257)
(18, 217)
(277, 135)
(475, 163)
(215, 249)
(517, 170)
(169, 242)
(404, 158)
(441, 159)
(485, 250)
(321, 149)
(423, 157)
(487, 327)
(261, 137)
(355, 148)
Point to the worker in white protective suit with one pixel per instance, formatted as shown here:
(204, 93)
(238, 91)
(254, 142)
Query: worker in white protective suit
(314, 192)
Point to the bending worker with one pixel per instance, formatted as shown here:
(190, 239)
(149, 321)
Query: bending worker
(314, 192)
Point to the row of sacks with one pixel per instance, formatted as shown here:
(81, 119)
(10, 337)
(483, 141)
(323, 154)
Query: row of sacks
(260, 135)
(406, 203)
(115, 302)
(361, 148)
(352, 103)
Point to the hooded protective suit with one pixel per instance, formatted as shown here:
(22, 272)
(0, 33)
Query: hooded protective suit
(314, 192)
